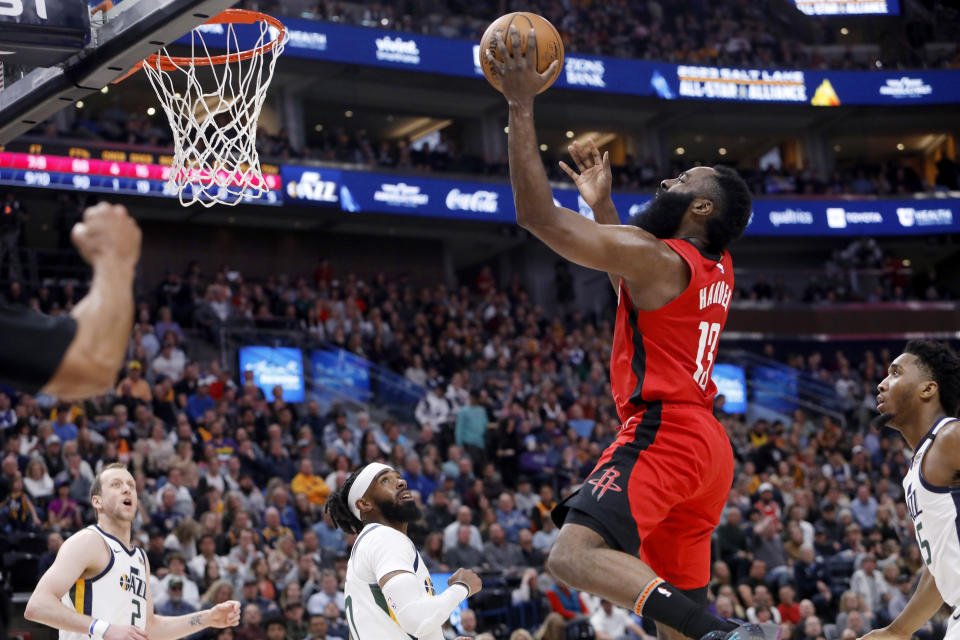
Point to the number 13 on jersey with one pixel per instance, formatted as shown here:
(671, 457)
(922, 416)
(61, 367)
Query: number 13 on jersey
(706, 349)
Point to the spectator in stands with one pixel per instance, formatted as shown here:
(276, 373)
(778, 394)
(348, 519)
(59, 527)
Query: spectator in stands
(768, 547)
(276, 628)
(171, 361)
(200, 401)
(293, 616)
(452, 534)
(500, 553)
(566, 601)
(762, 605)
(864, 508)
(138, 387)
(183, 500)
(867, 583)
(318, 629)
(812, 628)
(174, 604)
(434, 409)
(160, 588)
(250, 624)
(63, 512)
(613, 623)
(165, 518)
(37, 481)
(468, 623)
(336, 622)
(463, 553)
(273, 529)
(512, 519)
(329, 592)
(250, 596)
(532, 556)
(306, 482)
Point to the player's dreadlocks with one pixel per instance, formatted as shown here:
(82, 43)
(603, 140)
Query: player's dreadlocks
(339, 510)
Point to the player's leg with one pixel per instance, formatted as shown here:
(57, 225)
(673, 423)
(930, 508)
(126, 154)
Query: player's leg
(582, 559)
(680, 546)
(666, 633)
(637, 482)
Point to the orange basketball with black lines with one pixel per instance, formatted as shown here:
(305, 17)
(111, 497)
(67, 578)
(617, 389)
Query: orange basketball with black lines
(549, 44)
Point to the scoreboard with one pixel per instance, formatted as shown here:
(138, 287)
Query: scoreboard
(105, 171)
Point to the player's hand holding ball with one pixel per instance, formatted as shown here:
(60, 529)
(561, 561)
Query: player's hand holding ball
(469, 578)
(521, 55)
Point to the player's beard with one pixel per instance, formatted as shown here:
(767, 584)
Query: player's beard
(663, 216)
(401, 512)
(885, 419)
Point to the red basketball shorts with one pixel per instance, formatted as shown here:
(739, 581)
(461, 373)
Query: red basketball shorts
(659, 490)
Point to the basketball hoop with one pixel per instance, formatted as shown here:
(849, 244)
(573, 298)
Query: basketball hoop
(213, 104)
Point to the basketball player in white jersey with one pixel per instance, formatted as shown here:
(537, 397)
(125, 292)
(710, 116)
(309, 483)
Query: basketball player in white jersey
(99, 585)
(918, 398)
(389, 595)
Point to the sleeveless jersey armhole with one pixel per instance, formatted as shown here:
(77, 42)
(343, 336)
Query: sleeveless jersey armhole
(110, 555)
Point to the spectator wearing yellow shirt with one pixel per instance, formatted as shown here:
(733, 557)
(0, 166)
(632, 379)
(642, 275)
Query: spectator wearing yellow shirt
(139, 388)
(312, 485)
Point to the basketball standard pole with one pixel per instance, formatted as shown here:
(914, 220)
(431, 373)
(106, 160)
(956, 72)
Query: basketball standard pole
(132, 31)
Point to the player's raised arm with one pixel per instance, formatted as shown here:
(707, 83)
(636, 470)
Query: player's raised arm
(568, 233)
(924, 602)
(225, 614)
(594, 180)
(418, 612)
(82, 553)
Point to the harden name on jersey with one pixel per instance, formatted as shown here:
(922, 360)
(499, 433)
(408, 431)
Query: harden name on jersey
(717, 293)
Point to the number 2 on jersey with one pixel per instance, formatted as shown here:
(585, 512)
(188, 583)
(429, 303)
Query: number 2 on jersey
(709, 332)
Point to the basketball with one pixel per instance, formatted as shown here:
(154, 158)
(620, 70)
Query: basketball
(549, 44)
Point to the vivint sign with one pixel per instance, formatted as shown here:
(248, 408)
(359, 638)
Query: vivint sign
(397, 50)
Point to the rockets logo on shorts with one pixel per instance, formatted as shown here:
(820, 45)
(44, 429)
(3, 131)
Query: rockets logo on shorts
(605, 483)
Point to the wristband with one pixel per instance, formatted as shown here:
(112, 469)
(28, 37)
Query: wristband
(97, 628)
(464, 585)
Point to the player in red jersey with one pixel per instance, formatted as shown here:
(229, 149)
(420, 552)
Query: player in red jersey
(638, 532)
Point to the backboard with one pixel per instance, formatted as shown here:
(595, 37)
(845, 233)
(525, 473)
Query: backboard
(106, 44)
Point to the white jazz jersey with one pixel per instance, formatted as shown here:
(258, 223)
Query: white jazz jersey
(935, 512)
(118, 594)
(380, 550)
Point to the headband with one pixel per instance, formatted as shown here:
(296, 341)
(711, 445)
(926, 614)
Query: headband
(362, 483)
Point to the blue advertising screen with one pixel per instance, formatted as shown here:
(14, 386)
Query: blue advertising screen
(439, 581)
(774, 388)
(341, 371)
(274, 366)
(848, 7)
(429, 54)
(815, 217)
(363, 191)
(731, 381)
(311, 185)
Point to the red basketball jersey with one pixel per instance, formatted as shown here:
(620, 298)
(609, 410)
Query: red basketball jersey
(667, 355)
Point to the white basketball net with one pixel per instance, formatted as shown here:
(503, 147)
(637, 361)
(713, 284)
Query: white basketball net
(213, 111)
